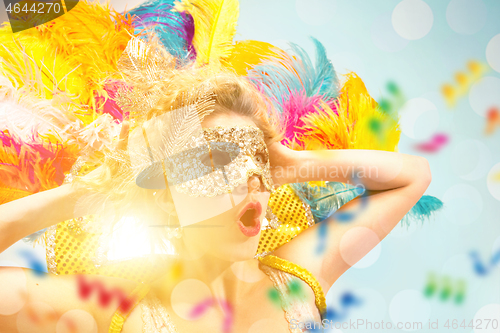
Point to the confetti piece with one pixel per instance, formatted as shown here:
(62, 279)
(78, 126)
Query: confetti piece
(460, 296)
(391, 106)
(37, 266)
(437, 142)
(393, 88)
(200, 308)
(463, 82)
(446, 289)
(322, 233)
(431, 286)
(105, 296)
(274, 296)
(492, 120)
(477, 263)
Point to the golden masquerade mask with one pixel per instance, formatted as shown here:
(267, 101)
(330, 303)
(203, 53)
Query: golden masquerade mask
(253, 158)
(220, 161)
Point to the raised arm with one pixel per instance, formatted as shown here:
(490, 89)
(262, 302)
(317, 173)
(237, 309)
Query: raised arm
(27, 215)
(394, 183)
(22, 217)
(375, 169)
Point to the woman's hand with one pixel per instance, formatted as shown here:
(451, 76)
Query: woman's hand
(282, 159)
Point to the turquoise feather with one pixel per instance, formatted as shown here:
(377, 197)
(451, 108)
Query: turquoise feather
(326, 78)
(281, 80)
(296, 86)
(175, 30)
(422, 210)
(31, 239)
(325, 201)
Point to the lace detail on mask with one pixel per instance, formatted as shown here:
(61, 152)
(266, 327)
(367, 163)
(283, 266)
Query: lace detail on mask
(252, 158)
(155, 318)
(294, 308)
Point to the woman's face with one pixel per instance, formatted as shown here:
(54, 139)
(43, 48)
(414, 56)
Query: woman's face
(229, 225)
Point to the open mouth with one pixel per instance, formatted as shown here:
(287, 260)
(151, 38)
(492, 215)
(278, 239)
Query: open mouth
(249, 222)
(248, 217)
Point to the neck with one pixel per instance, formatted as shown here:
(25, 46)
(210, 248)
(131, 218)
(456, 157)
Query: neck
(216, 273)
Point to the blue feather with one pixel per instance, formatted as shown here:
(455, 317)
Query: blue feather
(281, 79)
(175, 30)
(31, 239)
(422, 210)
(326, 77)
(325, 201)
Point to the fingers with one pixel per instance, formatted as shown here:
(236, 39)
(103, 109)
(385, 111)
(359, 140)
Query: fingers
(123, 141)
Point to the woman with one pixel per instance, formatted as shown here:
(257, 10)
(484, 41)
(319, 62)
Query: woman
(209, 260)
(207, 288)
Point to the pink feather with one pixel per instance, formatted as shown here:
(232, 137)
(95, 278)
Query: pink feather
(109, 104)
(33, 166)
(297, 106)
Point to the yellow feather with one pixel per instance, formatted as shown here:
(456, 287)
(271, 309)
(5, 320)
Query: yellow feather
(214, 28)
(74, 53)
(11, 194)
(353, 127)
(250, 53)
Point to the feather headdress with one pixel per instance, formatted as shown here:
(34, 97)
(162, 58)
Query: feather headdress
(174, 29)
(325, 200)
(35, 166)
(24, 113)
(72, 54)
(356, 122)
(215, 26)
(296, 86)
(249, 53)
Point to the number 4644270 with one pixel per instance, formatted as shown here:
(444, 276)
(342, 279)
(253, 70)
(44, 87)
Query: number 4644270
(40, 8)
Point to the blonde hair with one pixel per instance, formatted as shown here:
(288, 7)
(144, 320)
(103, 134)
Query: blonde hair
(114, 181)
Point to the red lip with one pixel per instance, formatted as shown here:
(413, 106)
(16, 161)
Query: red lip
(252, 226)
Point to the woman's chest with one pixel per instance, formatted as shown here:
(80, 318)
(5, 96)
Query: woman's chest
(255, 313)
(260, 310)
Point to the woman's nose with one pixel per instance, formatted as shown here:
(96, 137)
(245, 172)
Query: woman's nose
(254, 184)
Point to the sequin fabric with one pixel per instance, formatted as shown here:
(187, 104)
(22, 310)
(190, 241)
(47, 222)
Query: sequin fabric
(293, 215)
(253, 158)
(294, 308)
(71, 250)
(300, 272)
